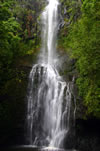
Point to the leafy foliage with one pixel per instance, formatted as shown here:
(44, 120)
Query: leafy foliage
(9, 38)
(83, 40)
(19, 33)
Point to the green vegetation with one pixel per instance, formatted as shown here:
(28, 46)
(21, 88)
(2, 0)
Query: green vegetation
(9, 38)
(19, 34)
(81, 38)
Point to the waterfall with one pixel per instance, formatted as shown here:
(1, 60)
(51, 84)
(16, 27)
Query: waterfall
(49, 96)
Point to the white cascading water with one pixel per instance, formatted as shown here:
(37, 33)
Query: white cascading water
(49, 96)
(49, 21)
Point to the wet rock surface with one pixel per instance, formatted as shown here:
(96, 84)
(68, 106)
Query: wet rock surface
(32, 148)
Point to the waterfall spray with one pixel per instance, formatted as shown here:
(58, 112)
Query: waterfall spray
(49, 96)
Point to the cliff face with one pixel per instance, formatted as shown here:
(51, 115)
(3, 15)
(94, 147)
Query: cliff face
(13, 103)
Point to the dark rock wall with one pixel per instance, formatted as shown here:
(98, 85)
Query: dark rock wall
(13, 103)
(88, 135)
